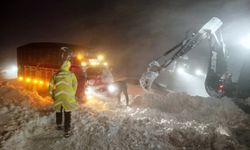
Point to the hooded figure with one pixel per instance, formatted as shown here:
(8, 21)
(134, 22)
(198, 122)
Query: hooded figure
(62, 89)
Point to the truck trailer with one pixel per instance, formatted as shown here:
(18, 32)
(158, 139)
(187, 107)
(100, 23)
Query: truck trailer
(38, 62)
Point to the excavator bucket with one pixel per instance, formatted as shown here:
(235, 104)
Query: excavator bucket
(150, 75)
(147, 80)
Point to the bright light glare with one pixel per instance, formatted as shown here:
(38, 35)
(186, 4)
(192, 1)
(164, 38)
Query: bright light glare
(35, 81)
(13, 68)
(89, 91)
(20, 78)
(94, 62)
(79, 57)
(198, 72)
(28, 79)
(180, 70)
(105, 64)
(83, 64)
(41, 82)
(89, 97)
(245, 41)
(112, 88)
(100, 57)
(10, 72)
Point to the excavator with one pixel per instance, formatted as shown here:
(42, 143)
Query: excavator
(218, 81)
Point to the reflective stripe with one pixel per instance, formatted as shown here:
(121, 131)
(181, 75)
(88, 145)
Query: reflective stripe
(63, 82)
(63, 73)
(58, 103)
(69, 104)
(60, 76)
(64, 92)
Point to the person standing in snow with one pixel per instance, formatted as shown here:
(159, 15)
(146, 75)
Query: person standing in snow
(122, 88)
(62, 88)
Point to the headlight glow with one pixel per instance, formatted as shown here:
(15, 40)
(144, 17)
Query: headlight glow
(41, 82)
(20, 78)
(79, 57)
(180, 70)
(83, 64)
(105, 64)
(35, 81)
(13, 68)
(10, 72)
(245, 41)
(89, 97)
(100, 57)
(28, 80)
(198, 72)
(94, 62)
(112, 88)
(89, 90)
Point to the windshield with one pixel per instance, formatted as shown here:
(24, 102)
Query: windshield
(94, 71)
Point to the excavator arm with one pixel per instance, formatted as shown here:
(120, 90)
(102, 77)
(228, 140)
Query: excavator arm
(217, 48)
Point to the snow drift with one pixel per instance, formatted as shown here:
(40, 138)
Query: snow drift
(187, 108)
(152, 121)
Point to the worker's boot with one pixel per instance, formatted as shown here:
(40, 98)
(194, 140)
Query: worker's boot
(59, 120)
(59, 127)
(67, 122)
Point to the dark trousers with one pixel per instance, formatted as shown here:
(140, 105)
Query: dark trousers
(67, 119)
(122, 85)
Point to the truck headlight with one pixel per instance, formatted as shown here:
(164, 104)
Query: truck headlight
(89, 90)
(112, 88)
(198, 72)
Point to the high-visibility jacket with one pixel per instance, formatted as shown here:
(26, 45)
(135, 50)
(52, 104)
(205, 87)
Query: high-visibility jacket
(62, 88)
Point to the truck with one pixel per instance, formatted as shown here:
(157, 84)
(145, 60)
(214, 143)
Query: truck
(38, 62)
(218, 81)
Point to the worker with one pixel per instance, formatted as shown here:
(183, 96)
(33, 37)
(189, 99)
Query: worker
(122, 88)
(228, 85)
(62, 88)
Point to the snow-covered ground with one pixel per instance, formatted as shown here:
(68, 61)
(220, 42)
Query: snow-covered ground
(152, 121)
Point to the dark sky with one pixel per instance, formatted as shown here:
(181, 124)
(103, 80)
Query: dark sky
(132, 33)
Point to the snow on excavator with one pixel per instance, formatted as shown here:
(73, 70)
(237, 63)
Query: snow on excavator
(217, 80)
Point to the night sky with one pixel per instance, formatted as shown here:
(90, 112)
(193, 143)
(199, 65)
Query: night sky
(130, 33)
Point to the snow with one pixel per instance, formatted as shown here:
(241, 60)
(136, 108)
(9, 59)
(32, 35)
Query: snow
(167, 120)
(185, 107)
(248, 101)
